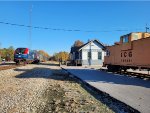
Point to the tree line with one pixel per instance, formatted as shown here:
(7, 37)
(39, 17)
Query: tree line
(8, 54)
(64, 56)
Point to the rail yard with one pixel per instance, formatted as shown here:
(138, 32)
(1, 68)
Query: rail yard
(74, 57)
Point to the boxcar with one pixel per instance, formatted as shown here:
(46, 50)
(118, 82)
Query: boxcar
(133, 51)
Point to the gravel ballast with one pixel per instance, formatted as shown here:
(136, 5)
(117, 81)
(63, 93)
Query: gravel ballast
(42, 89)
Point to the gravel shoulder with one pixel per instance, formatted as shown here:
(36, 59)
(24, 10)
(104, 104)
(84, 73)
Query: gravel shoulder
(44, 88)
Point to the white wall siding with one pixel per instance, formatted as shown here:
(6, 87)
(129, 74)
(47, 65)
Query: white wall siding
(94, 49)
(103, 54)
(94, 55)
(84, 55)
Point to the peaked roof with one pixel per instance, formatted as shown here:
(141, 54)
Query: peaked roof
(93, 41)
(75, 49)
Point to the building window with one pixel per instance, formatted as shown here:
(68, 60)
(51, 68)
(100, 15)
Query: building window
(89, 55)
(100, 55)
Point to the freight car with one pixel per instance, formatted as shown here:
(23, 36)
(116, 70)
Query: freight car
(26, 55)
(133, 51)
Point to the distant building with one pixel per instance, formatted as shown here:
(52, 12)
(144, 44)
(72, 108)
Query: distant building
(91, 53)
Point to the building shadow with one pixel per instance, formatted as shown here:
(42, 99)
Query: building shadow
(91, 75)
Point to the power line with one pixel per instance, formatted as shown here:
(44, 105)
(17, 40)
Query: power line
(58, 29)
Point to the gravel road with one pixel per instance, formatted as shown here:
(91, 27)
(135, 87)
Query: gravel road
(44, 88)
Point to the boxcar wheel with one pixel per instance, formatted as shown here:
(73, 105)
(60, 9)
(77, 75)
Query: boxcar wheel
(109, 68)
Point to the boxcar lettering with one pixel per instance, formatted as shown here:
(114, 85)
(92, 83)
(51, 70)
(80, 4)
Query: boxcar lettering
(125, 54)
(130, 54)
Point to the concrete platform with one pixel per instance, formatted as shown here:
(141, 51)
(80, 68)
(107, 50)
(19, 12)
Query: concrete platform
(132, 91)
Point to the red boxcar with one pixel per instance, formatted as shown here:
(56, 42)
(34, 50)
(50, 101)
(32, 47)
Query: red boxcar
(133, 51)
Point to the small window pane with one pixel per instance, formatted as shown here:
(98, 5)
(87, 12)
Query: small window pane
(107, 53)
(89, 55)
(134, 36)
(99, 55)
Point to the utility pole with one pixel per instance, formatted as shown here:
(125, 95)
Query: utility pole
(30, 26)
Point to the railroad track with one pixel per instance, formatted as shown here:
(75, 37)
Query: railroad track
(9, 66)
(131, 74)
(137, 75)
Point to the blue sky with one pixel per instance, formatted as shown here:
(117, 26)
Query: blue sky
(105, 17)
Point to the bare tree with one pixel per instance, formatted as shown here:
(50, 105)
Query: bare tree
(78, 43)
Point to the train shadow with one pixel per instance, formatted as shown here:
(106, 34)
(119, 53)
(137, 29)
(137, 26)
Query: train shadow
(49, 64)
(42, 72)
(91, 75)
(34, 73)
(17, 69)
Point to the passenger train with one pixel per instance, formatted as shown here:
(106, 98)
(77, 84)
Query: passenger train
(27, 56)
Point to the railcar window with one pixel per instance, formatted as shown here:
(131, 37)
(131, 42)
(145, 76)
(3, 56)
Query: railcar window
(20, 50)
(125, 39)
(107, 53)
(134, 36)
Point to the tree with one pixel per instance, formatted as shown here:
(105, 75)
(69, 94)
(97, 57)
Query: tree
(10, 53)
(78, 43)
(64, 56)
(7, 53)
(56, 57)
(44, 54)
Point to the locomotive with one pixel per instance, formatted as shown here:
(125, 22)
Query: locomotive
(26, 55)
(132, 52)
